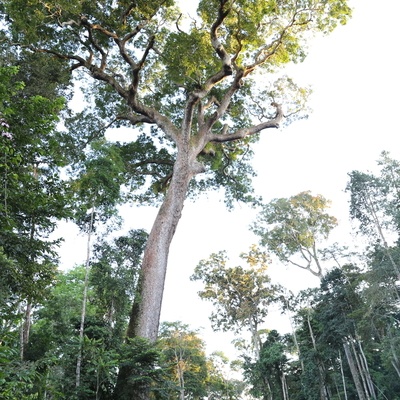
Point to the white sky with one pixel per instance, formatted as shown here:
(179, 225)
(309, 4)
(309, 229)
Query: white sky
(354, 73)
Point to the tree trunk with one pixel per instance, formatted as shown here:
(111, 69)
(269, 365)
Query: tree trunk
(343, 377)
(366, 372)
(395, 361)
(323, 388)
(269, 395)
(285, 390)
(84, 301)
(181, 380)
(378, 226)
(354, 371)
(145, 316)
(25, 329)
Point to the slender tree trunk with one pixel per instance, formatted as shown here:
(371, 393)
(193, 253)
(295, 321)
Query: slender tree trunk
(323, 389)
(360, 369)
(181, 381)
(25, 329)
(269, 390)
(354, 371)
(378, 226)
(255, 338)
(26, 325)
(296, 344)
(395, 362)
(364, 364)
(285, 391)
(84, 301)
(343, 377)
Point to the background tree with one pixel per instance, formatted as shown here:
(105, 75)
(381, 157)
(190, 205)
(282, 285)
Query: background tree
(191, 86)
(267, 374)
(97, 193)
(33, 196)
(184, 362)
(241, 295)
(114, 275)
(56, 338)
(293, 228)
(373, 204)
(223, 380)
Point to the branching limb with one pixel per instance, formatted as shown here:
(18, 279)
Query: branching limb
(307, 268)
(224, 104)
(224, 72)
(122, 44)
(135, 119)
(215, 42)
(242, 133)
(90, 27)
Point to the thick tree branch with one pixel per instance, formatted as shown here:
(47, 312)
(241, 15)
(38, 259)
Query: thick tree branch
(127, 12)
(224, 104)
(80, 62)
(97, 27)
(121, 43)
(242, 133)
(218, 47)
(135, 119)
(136, 69)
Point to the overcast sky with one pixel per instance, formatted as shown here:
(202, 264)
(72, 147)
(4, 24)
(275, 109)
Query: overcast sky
(354, 73)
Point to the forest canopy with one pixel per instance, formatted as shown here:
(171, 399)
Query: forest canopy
(195, 95)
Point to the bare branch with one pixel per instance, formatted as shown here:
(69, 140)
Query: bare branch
(135, 119)
(177, 24)
(224, 104)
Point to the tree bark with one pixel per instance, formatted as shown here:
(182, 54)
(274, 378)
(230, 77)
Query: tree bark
(285, 390)
(366, 372)
(360, 369)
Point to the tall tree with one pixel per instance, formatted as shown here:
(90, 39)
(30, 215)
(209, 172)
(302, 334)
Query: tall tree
(97, 189)
(192, 85)
(368, 204)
